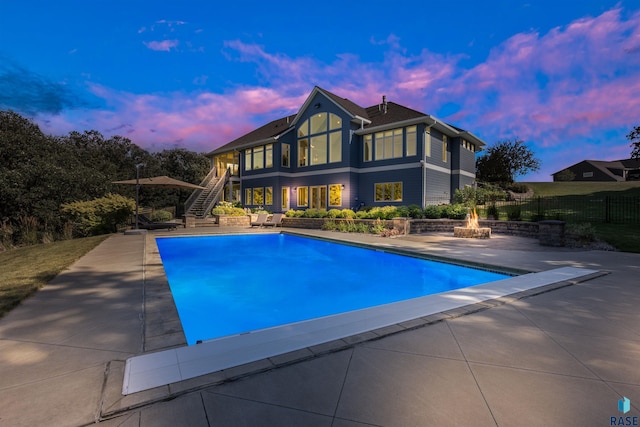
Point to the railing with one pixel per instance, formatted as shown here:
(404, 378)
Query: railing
(215, 193)
(588, 208)
(196, 193)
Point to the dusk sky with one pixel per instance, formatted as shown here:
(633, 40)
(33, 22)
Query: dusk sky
(562, 75)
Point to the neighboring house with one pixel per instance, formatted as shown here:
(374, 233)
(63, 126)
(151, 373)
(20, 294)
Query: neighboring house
(336, 154)
(601, 171)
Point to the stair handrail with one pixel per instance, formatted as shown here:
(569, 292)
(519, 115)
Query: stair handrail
(194, 195)
(214, 195)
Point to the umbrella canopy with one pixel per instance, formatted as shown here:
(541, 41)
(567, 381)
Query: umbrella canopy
(161, 182)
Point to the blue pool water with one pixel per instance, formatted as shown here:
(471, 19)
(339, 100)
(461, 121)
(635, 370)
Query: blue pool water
(226, 285)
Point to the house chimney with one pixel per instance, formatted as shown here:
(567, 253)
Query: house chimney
(384, 104)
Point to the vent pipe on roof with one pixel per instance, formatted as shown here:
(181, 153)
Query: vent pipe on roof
(384, 104)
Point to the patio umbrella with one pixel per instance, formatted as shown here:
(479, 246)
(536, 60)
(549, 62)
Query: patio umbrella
(162, 181)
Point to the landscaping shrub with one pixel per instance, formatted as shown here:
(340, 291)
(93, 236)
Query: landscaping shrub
(347, 213)
(492, 211)
(314, 213)
(228, 208)
(334, 213)
(100, 216)
(432, 212)
(28, 230)
(161, 216)
(514, 213)
(415, 211)
(378, 226)
(456, 211)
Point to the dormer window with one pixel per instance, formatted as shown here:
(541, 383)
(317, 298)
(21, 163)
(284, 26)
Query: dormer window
(320, 140)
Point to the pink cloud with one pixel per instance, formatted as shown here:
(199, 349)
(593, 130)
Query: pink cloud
(569, 86)
(162, 45)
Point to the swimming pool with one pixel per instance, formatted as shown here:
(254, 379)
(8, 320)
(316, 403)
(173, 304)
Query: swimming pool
(235, 284)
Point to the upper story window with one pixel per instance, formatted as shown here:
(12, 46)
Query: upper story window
(320, 140)
(285, 155)
(468, 145)
(412, 141)
(368, 148)
(427, 142)
(445, 147)
(388, 144)
(259, 157)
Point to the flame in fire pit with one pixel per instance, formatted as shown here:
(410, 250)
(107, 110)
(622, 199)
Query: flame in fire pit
(472, 221)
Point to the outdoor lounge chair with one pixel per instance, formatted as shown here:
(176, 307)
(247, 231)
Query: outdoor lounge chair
(276, 220)
(146, 224)
(259, 222)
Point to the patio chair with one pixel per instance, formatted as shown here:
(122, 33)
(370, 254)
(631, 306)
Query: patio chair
(276, 220)
(259, 222)
(146, 224)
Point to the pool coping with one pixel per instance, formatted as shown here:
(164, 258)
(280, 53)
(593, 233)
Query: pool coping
(115, 403)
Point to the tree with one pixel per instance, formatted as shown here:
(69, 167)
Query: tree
(505, 160)
(634, 138)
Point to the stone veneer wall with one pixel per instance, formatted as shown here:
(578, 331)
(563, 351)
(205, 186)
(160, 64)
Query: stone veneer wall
(512, 228)
(233, 221)
(316, 223)
(550, 233)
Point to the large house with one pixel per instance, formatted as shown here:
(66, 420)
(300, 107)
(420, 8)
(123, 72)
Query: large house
(601, 171)
(336, 154)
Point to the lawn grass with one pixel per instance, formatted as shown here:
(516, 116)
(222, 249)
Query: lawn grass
(585, 202)
(600, 189)
(624, 237)
(25, 270)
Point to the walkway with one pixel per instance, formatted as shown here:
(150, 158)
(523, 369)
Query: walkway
(559, 358)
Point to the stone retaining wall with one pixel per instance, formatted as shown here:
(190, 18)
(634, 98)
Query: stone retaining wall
(512, 228)
(550, 233)
(233, 221)
(316, 223)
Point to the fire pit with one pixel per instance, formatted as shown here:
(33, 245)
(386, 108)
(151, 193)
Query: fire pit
(472, 230)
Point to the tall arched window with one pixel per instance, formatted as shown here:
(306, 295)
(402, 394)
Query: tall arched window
(320, 140)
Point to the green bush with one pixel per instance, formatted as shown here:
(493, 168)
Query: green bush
(492, 211)
(314, 213)
(456, 211)
(161, 216)
(514, 213)
(432, 212)
(582, 232)
(330, 225)
(347, 213)
(415, 211)
(334, 213)
(100, 216)
(227, 208)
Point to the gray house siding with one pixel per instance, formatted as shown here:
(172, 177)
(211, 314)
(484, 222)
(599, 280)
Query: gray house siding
(358, 177)
(438, 187)
(410, 177)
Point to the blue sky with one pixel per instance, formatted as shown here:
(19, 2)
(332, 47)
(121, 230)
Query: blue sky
(562, 75)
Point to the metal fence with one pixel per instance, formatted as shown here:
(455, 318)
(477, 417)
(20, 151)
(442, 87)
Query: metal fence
(604, 209)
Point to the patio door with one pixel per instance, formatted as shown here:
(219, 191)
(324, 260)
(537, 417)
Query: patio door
(285, 199)
(319, 197)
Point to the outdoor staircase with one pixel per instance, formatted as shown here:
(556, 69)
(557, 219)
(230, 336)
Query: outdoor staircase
(201, 202)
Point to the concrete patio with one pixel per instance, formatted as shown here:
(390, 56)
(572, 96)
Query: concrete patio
(563, 357)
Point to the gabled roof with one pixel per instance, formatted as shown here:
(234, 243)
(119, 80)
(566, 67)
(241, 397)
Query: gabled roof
(607, 167)
(395, 113)
(374, 118)
(269, 132)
